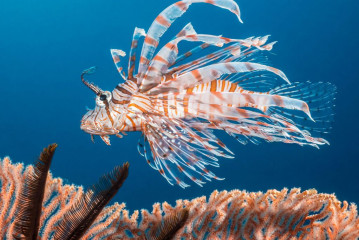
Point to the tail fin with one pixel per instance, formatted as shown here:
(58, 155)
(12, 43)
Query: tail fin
(319, 97)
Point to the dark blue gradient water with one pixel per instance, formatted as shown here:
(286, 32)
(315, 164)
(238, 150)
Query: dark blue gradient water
(45, 45)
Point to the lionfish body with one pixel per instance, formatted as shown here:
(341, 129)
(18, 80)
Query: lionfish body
(177, 105)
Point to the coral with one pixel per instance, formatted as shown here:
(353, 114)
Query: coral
(242, 215)
(34, 205)
(233, 214)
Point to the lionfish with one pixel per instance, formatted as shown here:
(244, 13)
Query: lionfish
(178, 101)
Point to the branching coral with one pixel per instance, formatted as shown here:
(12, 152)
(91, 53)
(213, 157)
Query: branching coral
(33, 205)
(225, 215)
(241, 215)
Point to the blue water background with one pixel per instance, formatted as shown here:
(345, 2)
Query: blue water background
(45, 45)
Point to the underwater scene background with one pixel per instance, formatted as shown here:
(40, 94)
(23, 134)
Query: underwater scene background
(46, 45)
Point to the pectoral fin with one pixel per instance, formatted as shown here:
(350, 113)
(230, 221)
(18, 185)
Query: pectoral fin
(106, 139)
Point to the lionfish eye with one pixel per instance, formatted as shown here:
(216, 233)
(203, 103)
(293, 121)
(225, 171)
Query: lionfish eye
(104, 96)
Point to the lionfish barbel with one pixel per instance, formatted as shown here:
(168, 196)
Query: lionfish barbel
(177, 102)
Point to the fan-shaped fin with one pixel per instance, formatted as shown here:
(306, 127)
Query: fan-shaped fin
(145, 151)
(116, 54)
(244, 51)
(319, 97)
(164, 21)
(168, 55)
(138, 33)
(209, 73)
(160, 62)
(179, 151)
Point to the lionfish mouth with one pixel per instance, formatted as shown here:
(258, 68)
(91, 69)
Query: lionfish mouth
(89, 128)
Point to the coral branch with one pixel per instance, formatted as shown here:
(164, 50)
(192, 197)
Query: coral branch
(286, 214)
(30, 203)
(36, 206)
(170, 225)
(84, 212)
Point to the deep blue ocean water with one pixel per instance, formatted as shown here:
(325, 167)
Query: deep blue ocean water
(45, 45)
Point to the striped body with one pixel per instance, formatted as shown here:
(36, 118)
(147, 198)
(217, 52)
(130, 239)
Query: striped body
(181, 105)
(176, 101)
(188, 103)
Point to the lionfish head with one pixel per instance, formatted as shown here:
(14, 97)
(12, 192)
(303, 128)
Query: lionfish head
(98, 121)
